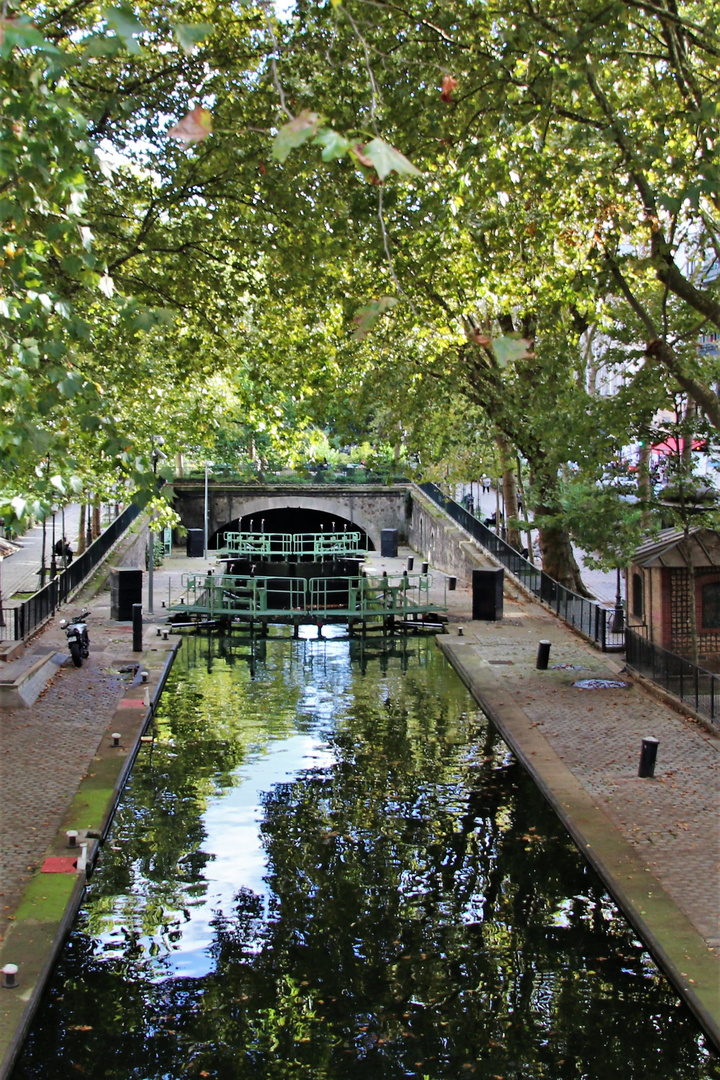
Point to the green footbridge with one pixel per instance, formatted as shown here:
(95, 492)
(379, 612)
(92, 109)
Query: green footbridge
(303, 578)
(397, 599)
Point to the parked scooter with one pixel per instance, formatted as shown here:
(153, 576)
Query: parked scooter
(77, 636)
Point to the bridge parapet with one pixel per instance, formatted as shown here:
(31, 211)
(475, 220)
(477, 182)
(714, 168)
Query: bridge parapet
(285, 508)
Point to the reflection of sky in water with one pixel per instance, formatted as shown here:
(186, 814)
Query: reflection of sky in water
(233, 840)
(232, 819)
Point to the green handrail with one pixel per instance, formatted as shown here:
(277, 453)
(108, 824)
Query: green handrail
(254, 545)
(233, 595)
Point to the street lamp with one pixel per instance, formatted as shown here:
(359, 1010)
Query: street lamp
(618, 619)
(53, 554)
(208, 465)
(155, 456)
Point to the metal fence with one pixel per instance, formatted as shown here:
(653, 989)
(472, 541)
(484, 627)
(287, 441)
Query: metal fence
(32, 613)
(238, 595)
(314, 546)
(695, 686)
(589, 617)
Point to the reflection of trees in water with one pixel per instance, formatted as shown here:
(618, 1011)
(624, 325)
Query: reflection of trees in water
(425, 914)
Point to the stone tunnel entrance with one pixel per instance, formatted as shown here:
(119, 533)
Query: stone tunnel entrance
(293, 520)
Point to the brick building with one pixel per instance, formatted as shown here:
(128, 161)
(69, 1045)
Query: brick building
(659, 598)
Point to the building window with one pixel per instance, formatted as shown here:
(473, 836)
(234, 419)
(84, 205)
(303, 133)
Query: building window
(637, 596)
(711, 606)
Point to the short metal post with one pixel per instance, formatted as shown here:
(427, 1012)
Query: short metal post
(648, 755)
(137, 627)
(452, 584)
(543, 655)
(425, 567)
(410, 562)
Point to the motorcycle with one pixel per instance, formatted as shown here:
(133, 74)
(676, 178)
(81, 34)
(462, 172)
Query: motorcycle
(76, 633)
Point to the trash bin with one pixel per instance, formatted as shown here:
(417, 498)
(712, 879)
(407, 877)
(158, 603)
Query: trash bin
(487, 594)
(389, 543)
(125, 590)
(195, 543)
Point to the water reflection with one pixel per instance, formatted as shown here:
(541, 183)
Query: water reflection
(327, 865)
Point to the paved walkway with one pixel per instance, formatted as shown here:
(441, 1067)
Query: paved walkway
(656, 842)
(21, 570)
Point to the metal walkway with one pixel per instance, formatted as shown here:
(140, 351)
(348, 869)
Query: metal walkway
(391, 597)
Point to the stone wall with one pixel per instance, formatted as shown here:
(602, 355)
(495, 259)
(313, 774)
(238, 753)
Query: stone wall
(129, 552)
(439, 541)
(369, 508)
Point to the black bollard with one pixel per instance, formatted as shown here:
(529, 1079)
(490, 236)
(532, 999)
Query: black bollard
(648, 755)
(543, 655)
(137, 627)
(452, 583)
(410, 562)
(425, 567)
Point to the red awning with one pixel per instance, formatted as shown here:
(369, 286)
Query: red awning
(672, 445)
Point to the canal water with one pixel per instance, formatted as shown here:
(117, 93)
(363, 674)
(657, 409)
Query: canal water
(328, 865)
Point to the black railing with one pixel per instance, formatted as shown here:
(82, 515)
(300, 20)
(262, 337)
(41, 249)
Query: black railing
(695, 686)
(7, 623)
(32, 613)
(588, 617)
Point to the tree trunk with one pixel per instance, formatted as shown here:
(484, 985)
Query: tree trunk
(509, 491)
(556, 550)
(96, 525)
(702, 395)
(81, 531)
(644, 480)
(558, 559)
(528, 532)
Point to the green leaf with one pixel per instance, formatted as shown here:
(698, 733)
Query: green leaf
(102, 46)
(20, 32)
(19, 505)
(126, 26)
(669, 202)
(188, 35)
(387, 159)
(298, 131)
(71, 385)
(334, 144)
(366, 317)
(511, 347)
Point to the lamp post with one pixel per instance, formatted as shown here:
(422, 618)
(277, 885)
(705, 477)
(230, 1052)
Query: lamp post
(618, 619)
(208, 464)
(155, 440)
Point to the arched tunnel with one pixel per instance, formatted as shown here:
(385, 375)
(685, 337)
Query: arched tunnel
(291, 520)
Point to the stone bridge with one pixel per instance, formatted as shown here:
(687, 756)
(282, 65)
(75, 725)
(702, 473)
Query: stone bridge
(293, 508)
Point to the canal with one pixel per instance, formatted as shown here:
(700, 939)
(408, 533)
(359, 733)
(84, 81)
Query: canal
(328, 865)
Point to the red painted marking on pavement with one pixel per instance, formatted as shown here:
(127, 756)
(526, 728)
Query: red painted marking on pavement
(60, 864)
(130, 703)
